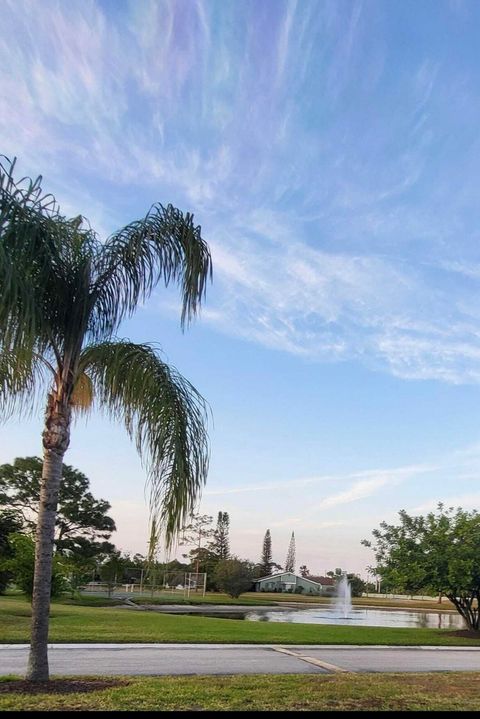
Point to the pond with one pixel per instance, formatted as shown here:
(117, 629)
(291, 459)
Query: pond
(356, 617)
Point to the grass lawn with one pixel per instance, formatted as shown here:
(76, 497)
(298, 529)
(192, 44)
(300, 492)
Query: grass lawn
(262, 598)
(71, 623)
(212, 598)
(356, 601)
(442, 691)
(259, 599)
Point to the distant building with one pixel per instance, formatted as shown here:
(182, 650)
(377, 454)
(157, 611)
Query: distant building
(289, 582)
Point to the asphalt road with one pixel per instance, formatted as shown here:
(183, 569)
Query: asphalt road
(177, 659)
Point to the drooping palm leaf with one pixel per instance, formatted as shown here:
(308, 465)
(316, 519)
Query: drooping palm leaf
(45, 264)
(163, 245)
(23, 381)
(62, 296)
(164, 414)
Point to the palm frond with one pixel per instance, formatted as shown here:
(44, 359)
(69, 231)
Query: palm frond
(45, 267)
(25, 214)
(166, 417)
(23, 381)
(82, 395)
(163, 245)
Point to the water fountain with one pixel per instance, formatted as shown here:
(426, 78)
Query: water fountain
(343, 600)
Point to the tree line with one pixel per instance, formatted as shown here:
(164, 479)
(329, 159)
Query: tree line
(436, 553)
(85, 553)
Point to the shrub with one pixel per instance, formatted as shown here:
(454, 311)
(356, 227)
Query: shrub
(22, 567)
(9, 525)
(234, 576)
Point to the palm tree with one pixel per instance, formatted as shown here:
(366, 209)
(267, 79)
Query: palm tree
(63, 296)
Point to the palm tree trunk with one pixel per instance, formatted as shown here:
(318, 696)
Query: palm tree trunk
(56, 437)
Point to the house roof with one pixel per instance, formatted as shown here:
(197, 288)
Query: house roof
(272, 576)
(325, 581)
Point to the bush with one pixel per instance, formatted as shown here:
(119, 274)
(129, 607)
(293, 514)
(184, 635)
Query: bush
(357, 585)
(22, 567)
(298, 589)
(9, 525)
(234, 576)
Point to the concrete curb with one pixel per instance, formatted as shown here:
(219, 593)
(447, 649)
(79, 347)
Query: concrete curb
(97, 646)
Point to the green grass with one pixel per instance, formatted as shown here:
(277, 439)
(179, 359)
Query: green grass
(373, 601)
(262, 598)
(441, 691)
(89, 601)
(70, 623)
(193, 600)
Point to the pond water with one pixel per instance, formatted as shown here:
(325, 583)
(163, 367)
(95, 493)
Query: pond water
(356, 617)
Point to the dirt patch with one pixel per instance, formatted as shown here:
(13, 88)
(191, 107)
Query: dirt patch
(466, 634)
(59, 686)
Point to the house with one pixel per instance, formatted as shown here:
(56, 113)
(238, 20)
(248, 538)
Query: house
(290, 582)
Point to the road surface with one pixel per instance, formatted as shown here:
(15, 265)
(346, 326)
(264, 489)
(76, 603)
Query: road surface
(177, 659)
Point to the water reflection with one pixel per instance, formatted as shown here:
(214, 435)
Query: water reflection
(357, 617)
(364, 617)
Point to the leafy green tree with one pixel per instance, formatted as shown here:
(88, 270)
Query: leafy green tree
(435, 553)
(202, 560)
(113, 569)
(290, 560)
(80, 564)
(79, 515)
(357, 585)
(234, 576)
(337, 574)
(10, 523)
(220, 545)
(64, 296)
(304, 571)
(266, 563)
(22, 567)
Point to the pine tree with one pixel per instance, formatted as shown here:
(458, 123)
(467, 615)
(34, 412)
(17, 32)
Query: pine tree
(193, 533)
(221, 544)
(266, 560)
(290, 560)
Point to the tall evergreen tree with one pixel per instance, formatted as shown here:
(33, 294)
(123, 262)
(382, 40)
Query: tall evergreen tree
(220, 545)
(266, 560)
(290, 560)
(194, 532)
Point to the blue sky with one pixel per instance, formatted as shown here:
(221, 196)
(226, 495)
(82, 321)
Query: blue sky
(330, 152)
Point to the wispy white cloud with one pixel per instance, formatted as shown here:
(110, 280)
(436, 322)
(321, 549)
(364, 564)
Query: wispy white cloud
(364, 484)
(268, 486)
(306, 524)
(465, 501)
(323, 223)
(368, 484)
(394, 316)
